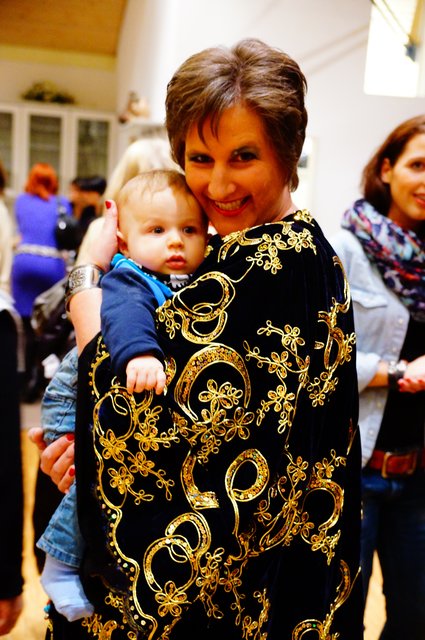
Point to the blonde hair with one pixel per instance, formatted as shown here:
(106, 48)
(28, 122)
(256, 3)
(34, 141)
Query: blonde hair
(142, 155)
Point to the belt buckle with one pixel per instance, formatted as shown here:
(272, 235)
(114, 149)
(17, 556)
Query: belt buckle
(388, 455)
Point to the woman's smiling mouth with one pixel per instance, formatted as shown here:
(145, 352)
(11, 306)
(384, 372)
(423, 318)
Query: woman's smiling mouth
(230, 208)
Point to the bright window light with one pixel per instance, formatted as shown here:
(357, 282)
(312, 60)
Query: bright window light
(394, 53)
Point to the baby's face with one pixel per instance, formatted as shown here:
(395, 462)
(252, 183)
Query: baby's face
(164, 231)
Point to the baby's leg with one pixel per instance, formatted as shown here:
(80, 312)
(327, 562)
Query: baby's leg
(63, 545)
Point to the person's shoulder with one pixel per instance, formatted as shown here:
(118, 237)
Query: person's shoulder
(344, 241)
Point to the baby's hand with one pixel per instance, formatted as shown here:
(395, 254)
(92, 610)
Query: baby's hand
(145, 372)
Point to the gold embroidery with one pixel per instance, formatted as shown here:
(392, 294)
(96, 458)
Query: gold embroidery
(95, 626)
(288, 362)
(210, 415)
(193, 320)
(323, 628)
(197, 499)
(246, 494)
(170, 597)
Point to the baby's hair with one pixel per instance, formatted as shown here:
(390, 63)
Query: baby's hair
(149, 182)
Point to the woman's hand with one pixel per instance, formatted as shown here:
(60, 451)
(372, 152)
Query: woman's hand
(56, 459)
(10, 611)
(99, 248)
(414, 378)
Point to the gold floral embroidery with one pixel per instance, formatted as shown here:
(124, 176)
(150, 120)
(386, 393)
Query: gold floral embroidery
(322, 629)
(210, 415)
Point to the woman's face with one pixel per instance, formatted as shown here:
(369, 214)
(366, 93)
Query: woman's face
(406, 179)
(236, 175)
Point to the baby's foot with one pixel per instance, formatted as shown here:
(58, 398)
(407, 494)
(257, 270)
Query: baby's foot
(63, 586)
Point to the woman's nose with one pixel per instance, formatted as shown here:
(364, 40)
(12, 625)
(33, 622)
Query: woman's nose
(220, 185)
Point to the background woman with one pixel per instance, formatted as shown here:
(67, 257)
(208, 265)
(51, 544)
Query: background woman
(37, 264)
(382, 247)
(231, 505)
(11, 492)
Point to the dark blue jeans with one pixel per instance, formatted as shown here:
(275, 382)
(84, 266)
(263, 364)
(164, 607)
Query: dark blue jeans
(394, 526)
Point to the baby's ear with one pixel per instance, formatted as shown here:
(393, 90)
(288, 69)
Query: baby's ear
(122, 244)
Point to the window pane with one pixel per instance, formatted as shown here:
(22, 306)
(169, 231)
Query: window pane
(390, 70)
(93, 141)
(45, 141)
(6, 120)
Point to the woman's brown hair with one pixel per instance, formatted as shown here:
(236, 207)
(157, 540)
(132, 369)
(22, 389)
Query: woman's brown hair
(42, 181)
(374, 189)
(253, 74)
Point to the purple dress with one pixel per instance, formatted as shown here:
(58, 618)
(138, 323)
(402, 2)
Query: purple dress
(37, 264)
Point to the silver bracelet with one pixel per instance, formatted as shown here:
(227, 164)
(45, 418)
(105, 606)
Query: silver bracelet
(396, 371)
(82, 277)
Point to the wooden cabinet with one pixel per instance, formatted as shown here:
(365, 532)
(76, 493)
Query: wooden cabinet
(76, 142)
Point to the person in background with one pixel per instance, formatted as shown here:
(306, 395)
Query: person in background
(6, 236)
(230, 507)
(382, 246)
(37, 263)
(11, 491)
(161, 227)
(85, 194)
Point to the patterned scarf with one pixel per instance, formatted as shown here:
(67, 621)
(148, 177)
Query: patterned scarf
(399, 254)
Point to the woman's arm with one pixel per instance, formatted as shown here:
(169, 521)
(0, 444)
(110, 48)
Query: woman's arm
(84, 306)
(412, 381)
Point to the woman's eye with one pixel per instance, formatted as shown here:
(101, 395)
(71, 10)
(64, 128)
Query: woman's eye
(199, 158)
(419, 165)
(246, 156)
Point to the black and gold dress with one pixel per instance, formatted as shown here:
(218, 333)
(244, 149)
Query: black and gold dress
(229, 507)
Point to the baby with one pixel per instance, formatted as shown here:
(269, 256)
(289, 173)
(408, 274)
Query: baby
(162, 238)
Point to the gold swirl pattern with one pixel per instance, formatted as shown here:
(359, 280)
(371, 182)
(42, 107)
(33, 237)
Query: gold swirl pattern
(192, 319)
(322, 629)
(217, 415)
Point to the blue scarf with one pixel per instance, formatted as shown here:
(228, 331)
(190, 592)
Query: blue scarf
(399, 254)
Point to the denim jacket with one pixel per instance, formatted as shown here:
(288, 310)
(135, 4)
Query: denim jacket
(381, 322)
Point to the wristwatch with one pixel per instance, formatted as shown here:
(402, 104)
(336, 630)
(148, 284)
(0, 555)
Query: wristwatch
(85, 276)
(396, 371)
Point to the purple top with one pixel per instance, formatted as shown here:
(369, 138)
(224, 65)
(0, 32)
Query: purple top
(33, 273)
(36, 218)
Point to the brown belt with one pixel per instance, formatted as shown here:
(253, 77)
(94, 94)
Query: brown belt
(397, 464)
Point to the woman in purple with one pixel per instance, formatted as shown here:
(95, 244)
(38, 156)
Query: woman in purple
(38, 264)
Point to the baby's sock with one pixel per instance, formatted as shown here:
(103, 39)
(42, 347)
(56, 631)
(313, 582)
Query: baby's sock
(63, 586)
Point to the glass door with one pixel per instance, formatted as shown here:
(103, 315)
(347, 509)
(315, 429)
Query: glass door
(45, 134)
(6, 143)
(92, 147)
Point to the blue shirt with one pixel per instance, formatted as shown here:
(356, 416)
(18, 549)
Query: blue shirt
(380, 322)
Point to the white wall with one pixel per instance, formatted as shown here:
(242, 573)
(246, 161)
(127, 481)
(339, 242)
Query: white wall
(327, 37)
(91, 80)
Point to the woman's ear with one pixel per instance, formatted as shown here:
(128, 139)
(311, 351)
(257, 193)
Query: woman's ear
(386, 171)
(122, 244)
